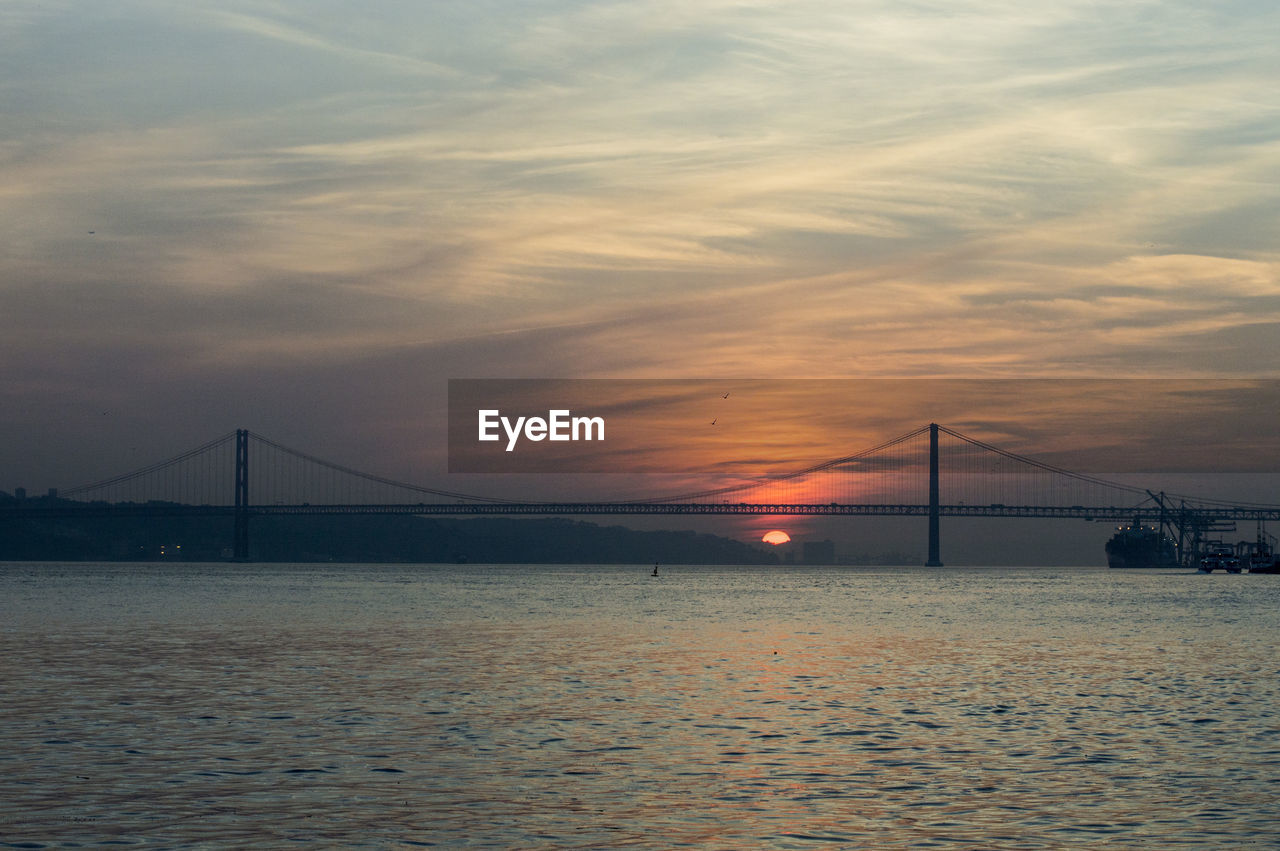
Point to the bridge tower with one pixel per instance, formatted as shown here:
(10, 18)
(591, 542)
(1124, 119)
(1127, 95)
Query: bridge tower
(935, 553)
(241, 547)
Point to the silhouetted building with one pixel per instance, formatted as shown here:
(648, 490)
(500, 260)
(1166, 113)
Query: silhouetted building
(819, 552)
(19, 493)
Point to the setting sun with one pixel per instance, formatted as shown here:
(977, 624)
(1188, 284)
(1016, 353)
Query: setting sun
(776, 537)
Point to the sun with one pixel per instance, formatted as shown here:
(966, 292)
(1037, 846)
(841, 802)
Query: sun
(777, 536)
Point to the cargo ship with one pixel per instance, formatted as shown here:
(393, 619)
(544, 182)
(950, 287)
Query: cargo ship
(1141, 546)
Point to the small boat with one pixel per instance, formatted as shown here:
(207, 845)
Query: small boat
(1263, 563)
(1220, 557)
(1263, 559)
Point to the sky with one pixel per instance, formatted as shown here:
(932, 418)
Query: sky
(305, 218)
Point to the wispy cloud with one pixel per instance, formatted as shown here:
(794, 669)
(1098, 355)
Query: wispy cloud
(292, 34)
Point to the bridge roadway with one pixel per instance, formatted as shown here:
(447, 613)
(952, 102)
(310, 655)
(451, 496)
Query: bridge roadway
(32, 509)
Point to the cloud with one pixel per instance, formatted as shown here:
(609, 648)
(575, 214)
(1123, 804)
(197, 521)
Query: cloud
(635, 189)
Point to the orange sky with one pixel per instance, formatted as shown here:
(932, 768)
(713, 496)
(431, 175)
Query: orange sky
(768, 427)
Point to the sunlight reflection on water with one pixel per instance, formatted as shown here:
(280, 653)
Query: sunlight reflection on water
(598, 707)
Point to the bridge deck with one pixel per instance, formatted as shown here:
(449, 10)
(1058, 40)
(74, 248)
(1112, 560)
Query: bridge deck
(34, 509)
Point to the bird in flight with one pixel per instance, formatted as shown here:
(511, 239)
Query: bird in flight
(725, 396)
(713, 422)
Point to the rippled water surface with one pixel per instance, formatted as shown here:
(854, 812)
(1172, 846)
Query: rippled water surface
(598, 707)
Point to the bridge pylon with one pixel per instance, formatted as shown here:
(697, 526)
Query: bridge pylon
(240, 551)
(935, 544)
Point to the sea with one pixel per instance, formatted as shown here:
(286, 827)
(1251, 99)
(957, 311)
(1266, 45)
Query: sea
(530, 706)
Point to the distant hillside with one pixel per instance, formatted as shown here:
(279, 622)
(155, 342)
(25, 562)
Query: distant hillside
(366, 539)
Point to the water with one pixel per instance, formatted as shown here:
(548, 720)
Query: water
(597, 707)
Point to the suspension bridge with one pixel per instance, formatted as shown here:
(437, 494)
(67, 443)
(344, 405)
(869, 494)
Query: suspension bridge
(931, 472)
